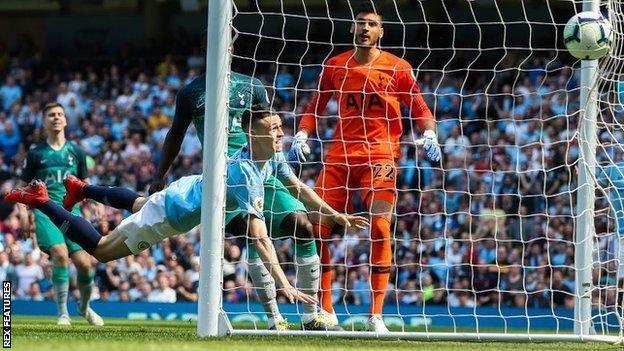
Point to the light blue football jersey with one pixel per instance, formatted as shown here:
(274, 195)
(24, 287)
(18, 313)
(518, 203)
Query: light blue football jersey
(245, 190)
(612, 177)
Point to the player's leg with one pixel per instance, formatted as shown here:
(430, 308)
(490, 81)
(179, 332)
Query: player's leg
(82, 261)
(287, 217)
(379, 195)
(117, 197)
(262, 280)
(50, 240)
(80, 231)
(135, 233)
(331, 186)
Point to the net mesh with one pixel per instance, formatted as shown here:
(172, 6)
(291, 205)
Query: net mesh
(483, 240)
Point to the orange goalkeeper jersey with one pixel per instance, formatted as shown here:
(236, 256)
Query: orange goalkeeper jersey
(369, 98)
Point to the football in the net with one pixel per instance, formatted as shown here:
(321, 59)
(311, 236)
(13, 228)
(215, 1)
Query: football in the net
(588, 35)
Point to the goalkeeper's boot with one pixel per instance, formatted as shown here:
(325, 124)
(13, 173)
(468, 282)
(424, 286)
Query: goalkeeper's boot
(376, 324)
(279, 324)
(319, 322)
(74, 191)
(92, 317)
(32, 195)
(63, 320)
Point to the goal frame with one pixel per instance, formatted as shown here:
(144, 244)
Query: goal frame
(211, 319)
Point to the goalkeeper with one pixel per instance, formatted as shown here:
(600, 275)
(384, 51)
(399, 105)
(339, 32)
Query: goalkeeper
(177, 209)
(369, 85)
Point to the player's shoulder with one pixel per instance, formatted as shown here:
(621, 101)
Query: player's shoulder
(197, 83)
(240, 78)
(76, 147)
(392, 59)
(37, 148)
(239, 163)
(340, 59)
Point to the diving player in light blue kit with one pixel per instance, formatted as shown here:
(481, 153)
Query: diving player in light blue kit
(176, 209)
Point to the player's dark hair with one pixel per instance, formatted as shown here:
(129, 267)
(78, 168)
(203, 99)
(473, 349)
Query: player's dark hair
(255, 113)
(51, 105)
(368, 6)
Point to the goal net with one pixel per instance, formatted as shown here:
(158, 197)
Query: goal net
(484, 241)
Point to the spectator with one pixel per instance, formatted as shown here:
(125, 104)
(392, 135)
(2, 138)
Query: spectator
(162, 292)
(136, 148)
(157, 120)
(457, 144)
(187, 291)
(9, 141)
(92, 142)
(34, 293)
(65, 96)
(27, 273)
(7, 270)
(10, 92)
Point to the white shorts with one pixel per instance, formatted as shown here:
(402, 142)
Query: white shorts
(148, 226)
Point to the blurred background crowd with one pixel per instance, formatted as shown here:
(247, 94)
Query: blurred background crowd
(490, 225)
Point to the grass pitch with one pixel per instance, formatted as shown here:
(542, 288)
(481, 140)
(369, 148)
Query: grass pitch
(40, 334)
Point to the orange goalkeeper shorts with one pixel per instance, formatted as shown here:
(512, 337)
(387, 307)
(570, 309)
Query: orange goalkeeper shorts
(375, 180)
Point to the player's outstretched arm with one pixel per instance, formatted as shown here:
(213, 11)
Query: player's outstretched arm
(171, 145)
(411, 96)
(266, 251)
(312, 200)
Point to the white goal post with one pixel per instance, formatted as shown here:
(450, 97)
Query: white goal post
(503, 309)
(218, 42)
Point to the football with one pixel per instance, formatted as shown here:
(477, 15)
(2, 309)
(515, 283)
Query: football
(588, 35)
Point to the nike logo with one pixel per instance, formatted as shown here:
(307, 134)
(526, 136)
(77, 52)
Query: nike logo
(314, 270)
(43, 161)
(199, 104)
(264, 274)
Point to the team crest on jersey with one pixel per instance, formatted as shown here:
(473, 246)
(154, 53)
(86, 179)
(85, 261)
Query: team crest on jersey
(70, 159)
(241, 96)
(258, 204)
(384, 81)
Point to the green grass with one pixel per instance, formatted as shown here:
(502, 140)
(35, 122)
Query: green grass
(40, 334)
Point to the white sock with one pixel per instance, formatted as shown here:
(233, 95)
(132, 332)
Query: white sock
(265, 288)
(308, 281)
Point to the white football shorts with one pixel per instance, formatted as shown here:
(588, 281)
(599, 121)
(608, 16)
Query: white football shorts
(148, 226)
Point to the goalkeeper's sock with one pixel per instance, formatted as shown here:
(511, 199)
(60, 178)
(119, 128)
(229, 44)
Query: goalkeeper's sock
(76, 228)
(325, 293)
(381, 258)
(85, 285)
(265, 288)
(60, 280)
(116, 197)
(308, 282)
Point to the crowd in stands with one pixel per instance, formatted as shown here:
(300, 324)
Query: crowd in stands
(491, 225)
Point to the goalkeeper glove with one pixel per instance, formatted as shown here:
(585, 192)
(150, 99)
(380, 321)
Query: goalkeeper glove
(431, 146)
(299, 149)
